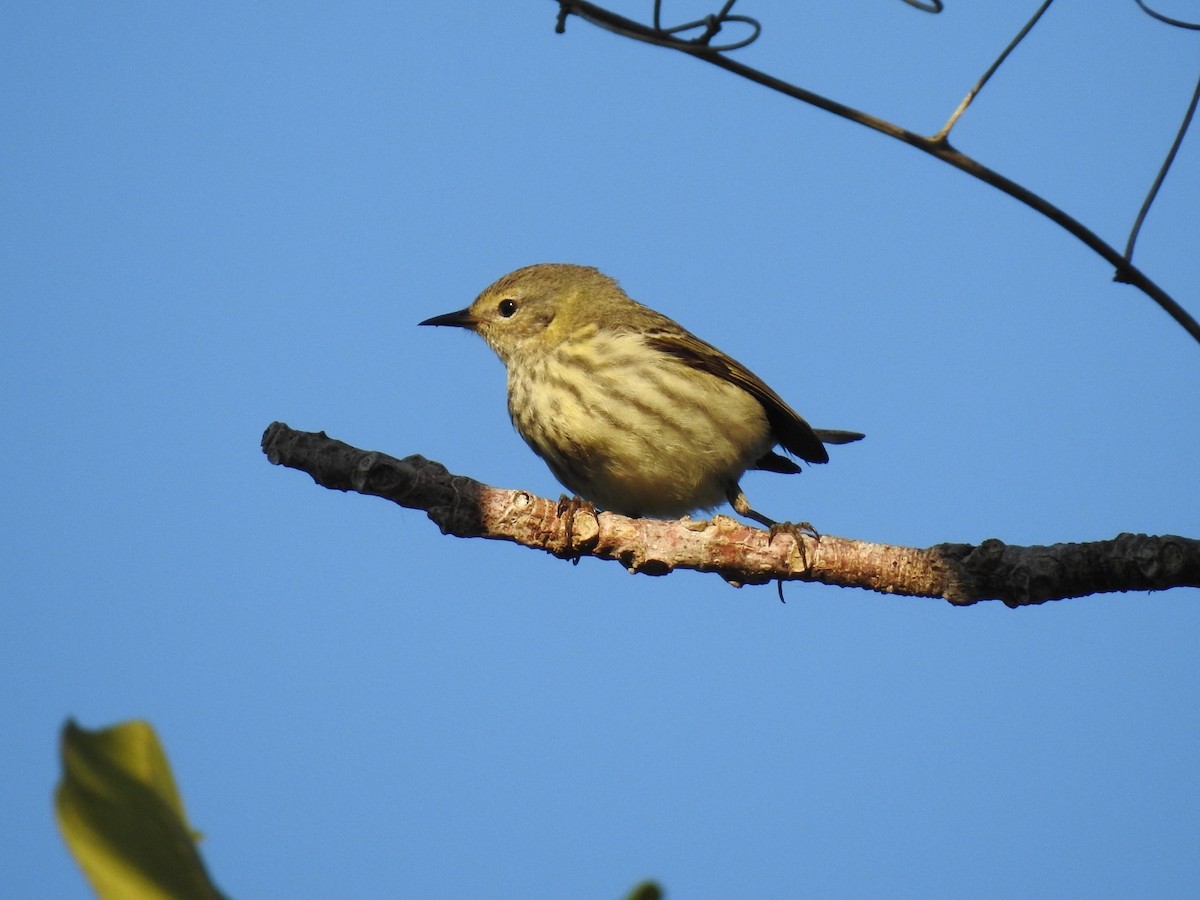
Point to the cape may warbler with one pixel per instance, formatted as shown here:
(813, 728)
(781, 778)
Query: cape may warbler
(629, 410)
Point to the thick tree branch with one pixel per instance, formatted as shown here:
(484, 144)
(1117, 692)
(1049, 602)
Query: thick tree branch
(960, 573)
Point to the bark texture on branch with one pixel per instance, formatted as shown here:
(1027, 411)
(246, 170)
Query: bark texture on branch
(960, 573)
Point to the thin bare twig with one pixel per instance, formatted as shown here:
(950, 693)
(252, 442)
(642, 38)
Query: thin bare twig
(1124, 270)
(944, 132)
(1162, 173)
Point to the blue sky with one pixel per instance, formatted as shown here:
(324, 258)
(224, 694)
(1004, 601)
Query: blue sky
(219, 216)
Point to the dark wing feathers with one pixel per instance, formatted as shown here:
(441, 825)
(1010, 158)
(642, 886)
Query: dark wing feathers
(796, 435)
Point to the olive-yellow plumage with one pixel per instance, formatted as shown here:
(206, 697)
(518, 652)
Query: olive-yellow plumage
(629, 410)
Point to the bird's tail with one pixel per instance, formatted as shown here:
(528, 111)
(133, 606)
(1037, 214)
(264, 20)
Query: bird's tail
(833, 436)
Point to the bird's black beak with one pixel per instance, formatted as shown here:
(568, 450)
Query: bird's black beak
(460, 319)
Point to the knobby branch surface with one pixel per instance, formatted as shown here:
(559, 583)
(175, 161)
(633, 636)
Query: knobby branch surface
(960, 573)
(937, 145)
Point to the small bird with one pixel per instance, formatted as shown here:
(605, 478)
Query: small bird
(632, 412)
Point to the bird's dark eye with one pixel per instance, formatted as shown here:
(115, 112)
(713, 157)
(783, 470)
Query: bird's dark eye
(507, 307)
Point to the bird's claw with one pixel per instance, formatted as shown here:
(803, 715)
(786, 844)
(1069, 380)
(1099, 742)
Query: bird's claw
(568, 508)
(797, 531)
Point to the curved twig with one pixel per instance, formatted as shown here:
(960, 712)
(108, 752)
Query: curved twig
(1178, 23)
(711, 25)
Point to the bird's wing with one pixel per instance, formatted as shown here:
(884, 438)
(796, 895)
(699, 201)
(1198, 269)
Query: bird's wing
(796, 435)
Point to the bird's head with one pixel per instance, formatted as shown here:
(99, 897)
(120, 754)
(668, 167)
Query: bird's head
(530, 311)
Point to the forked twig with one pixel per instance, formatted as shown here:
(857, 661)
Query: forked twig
(937, 146)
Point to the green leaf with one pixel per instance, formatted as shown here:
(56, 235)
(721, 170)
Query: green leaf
(121, 815)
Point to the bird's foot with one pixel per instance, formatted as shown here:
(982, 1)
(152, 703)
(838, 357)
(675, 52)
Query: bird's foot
(568, 508)
(797, 531)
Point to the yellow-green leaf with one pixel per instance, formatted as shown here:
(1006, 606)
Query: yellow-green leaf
(121, 815)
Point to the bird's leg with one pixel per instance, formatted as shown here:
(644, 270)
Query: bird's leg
(737, 499)
(569, 507)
